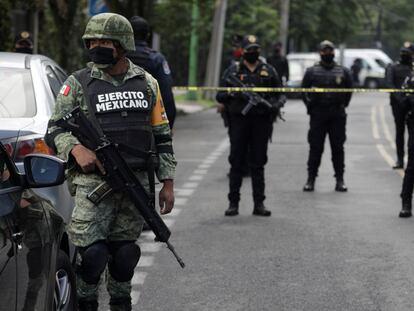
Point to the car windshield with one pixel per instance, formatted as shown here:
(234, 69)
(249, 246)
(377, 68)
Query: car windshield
(17, 98)
(381, 63)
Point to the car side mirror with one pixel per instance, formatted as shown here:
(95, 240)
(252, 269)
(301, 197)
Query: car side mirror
(44, 170)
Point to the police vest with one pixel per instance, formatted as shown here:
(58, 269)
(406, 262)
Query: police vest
(124, 115)
(400, 72)
(327, 78)
(142, 57)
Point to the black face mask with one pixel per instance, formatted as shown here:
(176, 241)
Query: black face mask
(102, 56)
(251, 57)
(327, 58)
(24, 50)
(406, 59)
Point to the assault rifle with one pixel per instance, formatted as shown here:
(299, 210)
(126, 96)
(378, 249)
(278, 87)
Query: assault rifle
(255, 99)
(118, 174)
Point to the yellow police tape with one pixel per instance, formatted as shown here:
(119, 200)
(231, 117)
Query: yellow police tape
(289, 90)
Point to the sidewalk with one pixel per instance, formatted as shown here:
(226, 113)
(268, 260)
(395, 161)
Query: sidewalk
(187, 107)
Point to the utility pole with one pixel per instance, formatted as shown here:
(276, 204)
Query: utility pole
(284, 23)
(216, 46)
(192, 70)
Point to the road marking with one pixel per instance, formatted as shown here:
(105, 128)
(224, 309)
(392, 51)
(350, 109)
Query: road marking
(196, 177)
(204, 166)
(174, 212)
(184, 192)
(135, 297)
(374, 123)
(169, 222)
(191, 185)
(385, 127)
(139, 278)
(145, 261)
(150, 247)
(180, 201)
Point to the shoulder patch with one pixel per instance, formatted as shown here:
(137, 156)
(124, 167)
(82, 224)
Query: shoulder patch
(166, 68)
(65, 90)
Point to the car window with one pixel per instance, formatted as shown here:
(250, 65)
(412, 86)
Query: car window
(54, 82)
(17, 99)
(381, 63)
(60, 74)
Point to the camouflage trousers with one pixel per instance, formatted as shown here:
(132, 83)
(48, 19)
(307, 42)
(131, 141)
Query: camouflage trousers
(113, 219)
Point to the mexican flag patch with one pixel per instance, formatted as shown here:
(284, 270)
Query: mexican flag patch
(65, 90)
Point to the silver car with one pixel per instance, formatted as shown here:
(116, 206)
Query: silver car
(29, 85)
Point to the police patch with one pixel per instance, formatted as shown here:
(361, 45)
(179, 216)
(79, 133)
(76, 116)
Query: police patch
(338, 80)
(166, 68)
(264, 73)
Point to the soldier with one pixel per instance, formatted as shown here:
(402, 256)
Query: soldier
(125, 100)
(153, 62)
(395, 77)
(327, 114)
(249, 132)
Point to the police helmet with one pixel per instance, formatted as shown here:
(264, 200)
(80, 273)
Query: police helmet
(110, 26)
(140, 26)
(250, 41)
(326, 44)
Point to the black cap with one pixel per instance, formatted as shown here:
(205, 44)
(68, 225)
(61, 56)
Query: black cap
(326, 44)
(407, 45)
(140, 26)
(406, 50)
(24, 37)
(250, 41)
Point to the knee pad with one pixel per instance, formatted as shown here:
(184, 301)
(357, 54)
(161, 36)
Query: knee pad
(125, 256)
(94, 260)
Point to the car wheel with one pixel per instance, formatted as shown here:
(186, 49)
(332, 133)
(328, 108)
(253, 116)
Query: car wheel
(65, 288)
(371, 84)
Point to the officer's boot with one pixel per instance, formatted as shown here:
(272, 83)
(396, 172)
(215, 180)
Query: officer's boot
(406, 209)
(120, 304)
(233, 210)
(398, 165)
(340, 185)
(310, 184)
(87, 305)
(260, 210)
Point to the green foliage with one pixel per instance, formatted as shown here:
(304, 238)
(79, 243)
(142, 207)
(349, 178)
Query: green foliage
(5, 25)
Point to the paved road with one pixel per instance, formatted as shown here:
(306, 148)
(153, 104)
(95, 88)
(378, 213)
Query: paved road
(318, 251)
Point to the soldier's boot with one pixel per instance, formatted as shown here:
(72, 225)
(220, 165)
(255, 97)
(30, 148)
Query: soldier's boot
(406, 209)
(340, 185)
(310, 185)
(87, 305)
(120, 304)
(233, 210)
(260, 210)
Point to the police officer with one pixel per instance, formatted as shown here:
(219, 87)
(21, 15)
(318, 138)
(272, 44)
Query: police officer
(23, 42)
(251, 131)
(327, 113)
(127, 104)
(395, 77)
(408, 181)
(280, 62)
(153, 62)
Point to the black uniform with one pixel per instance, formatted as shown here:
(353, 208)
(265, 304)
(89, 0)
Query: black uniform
(408, 181)
(396, 75)
(327, 114)
(250, 132)
(280, 63)
(156, 64)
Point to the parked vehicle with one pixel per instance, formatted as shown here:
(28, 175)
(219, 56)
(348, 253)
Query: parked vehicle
(298, 63)
(35, 269)
(29, 85)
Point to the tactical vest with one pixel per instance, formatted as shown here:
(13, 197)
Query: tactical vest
(124, 115)
(141, 57)
(327, 78)
(400, 72)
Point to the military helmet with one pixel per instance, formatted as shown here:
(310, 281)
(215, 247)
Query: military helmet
(110, 26)
(326, 44)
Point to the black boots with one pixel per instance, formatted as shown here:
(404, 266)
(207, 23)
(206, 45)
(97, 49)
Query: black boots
(310, 185)
(399, 165)
(340, 185)
(260, 210)
(406, 209)
(233, 210)
(87, 305)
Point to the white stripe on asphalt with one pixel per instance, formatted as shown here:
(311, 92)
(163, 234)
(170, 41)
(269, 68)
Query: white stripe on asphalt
(180, 201)
(139, 278)
(200, 172)
(135, 297)
(204, 166)
(184, 192)
(145, 261)
(148, 247)
(374, 123)
(196, 177)
(388, 158)
(385, 127)
(190, 185)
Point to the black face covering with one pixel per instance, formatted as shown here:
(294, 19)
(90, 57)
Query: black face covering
(327, 58)
(24, 50)
(406, 58)
(251, 57)
(102, 56)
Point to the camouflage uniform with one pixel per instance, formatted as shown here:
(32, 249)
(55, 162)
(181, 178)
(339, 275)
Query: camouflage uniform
(115, 218)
